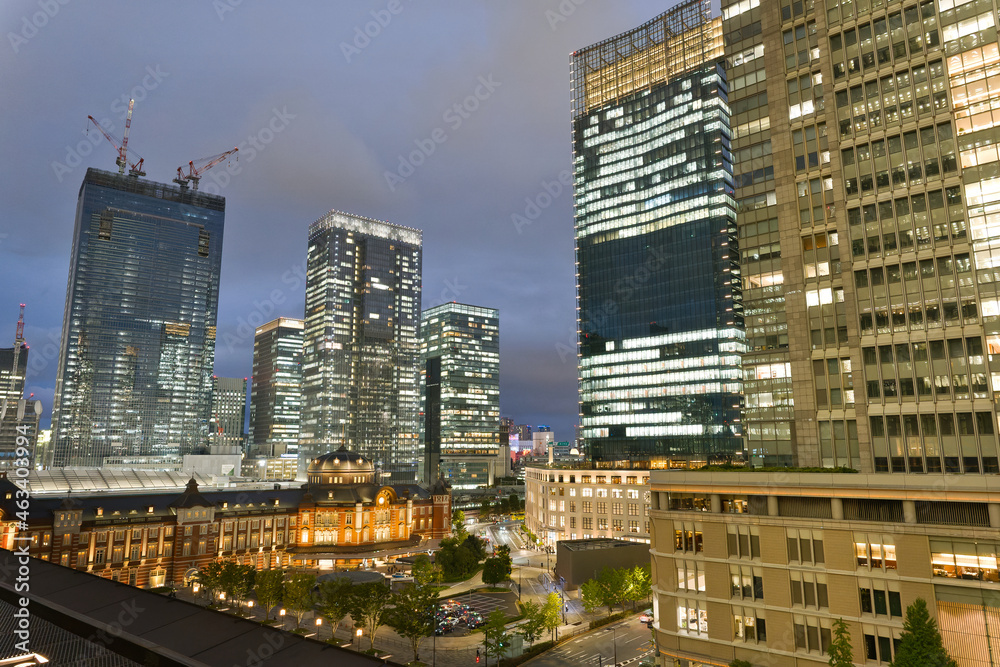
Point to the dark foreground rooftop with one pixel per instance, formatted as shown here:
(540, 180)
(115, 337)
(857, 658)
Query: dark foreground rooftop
(149, 628)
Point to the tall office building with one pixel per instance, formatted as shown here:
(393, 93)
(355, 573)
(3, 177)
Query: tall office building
(659, 293)
(869, 123)
(229, 411)
(276, 390)
(138, 340)
(360, 376)
(18, 416)
(460, 391)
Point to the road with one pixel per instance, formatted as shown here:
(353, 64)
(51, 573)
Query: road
(629, 640)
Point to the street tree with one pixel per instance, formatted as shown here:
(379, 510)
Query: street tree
(369, 606)
(268, 587)
(458, 522)
(209, 577)
(236, 581)
(298, 595)
(639, 584)
(534, 622)
(514, 502)
(920, 642)
(424, 571)
(496, 639)
(840, 651)
(412, 616)
(551, 612)
(334, 600)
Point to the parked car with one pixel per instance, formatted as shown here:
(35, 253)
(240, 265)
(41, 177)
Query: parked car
(647, 616)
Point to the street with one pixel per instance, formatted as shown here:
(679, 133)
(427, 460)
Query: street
(629, 641)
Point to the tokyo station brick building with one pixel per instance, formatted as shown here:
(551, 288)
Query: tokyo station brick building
(340, 517)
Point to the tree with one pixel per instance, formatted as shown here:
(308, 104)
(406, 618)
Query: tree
(424, 571)
(639, 584)
(503, 506)
(210, 578)
(485, 507)
(534, 622)
(269, 586)
(369, 606)
(458, 559)
(334, 600)
(514, 502)
(920, 642)
(592, 595)
(494, 571)
(496, 639)
(840, 652)
(412, 617)
(551, 612)
(298, 595)
(458, 522)
(236, 581)
(612, 586)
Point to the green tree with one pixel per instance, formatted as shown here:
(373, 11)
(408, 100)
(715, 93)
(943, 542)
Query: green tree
(412, 616)
(503, 506)
(639, 584)
(334, 600)
(592, 595)
(920, 642)
(458, 522)
(840, 651)
(369, 606)
(298, 595)
(236, 581)
(496, 639)
(514, 502)
(269, 586)
(424, 571)
(551, 612)
(485, 508)
(534, 622)
(210, 578)
(612, 586)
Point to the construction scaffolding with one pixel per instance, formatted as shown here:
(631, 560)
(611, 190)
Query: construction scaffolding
(683, 38)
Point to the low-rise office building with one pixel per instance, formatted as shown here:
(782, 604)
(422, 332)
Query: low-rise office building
(570, 503)
(758, 566)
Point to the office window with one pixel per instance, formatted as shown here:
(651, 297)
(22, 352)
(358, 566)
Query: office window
(688, 537)
(805, 546)
(749, 624)
(875, 551)
(692, 617)
(809, 590)
(690, 575)
(743, 541)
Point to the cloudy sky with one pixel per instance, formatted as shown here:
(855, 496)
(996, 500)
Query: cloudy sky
(327, 100)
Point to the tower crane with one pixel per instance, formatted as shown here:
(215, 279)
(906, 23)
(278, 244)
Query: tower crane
(135, 169)
(194, 173)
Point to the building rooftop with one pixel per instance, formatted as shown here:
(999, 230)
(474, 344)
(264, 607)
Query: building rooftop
(595, 544)
(150, 628)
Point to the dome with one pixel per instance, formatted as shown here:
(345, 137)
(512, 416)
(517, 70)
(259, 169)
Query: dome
(341, 461)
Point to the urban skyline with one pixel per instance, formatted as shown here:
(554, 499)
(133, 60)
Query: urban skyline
(493, 245)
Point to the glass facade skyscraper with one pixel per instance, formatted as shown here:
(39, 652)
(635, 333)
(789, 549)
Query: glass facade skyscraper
(460, 390)
(659, 292)
(276, 390)
(138, 339)
(361, 351)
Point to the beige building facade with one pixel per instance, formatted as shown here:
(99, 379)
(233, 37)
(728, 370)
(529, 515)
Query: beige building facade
(758, 566)
(567, 503)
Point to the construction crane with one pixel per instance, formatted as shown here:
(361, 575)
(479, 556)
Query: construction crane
(135, 169)
(194, 173)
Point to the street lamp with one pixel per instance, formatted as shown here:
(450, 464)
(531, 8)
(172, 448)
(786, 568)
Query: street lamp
(357, 633)
(614, 632)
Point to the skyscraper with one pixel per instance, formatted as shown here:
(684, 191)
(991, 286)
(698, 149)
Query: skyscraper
(659, 293)
(361, 349)
(138, 340)
(460, 383)
(229, 411)
(18, 417)
(276, 391)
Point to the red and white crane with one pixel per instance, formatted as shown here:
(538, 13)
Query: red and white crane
(194, 173)
(135, 169)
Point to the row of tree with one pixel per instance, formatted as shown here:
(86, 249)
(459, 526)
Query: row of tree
(920, 643)
(616, 587)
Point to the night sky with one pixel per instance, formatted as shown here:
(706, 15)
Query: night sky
(322, 112)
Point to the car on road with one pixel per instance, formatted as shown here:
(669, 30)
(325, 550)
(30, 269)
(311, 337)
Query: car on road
(647, 616)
